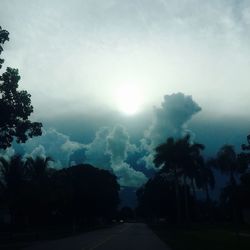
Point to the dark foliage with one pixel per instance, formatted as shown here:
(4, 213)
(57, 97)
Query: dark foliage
(181, 159)
(156, 199)
(15, 106)
(37, 195)
(84, 193)
(182, 169)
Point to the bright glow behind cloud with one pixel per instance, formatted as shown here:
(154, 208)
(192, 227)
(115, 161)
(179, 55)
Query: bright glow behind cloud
(74, 54)
(129, 98)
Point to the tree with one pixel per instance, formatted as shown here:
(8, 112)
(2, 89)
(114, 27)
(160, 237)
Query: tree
(246, 147)
(38, 168)
(192, 162)
(206, 179)
(40, 186)
(15, 106)
(13, 175)
(180, 158)
(156, 198)
(231, 163)
(4, 36)
(83, 193)
(168, 157)
(244, 191)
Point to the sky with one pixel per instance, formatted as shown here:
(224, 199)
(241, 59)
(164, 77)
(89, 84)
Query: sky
(112, 79)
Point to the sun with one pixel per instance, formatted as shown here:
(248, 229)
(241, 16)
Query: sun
(128, 99)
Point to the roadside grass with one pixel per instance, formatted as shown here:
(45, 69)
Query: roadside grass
(202, 238)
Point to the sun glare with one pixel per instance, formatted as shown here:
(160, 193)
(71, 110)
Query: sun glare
(128, 99)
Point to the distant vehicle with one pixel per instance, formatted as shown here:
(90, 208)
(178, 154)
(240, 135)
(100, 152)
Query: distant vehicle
(121, 221)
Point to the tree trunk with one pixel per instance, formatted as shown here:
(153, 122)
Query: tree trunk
(193, 189)
(207, 194)
(234, 205)
(186, 201)
(209, 205)
(177, 196)
(195, 199)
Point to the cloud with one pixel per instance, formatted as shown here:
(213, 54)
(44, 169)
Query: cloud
(170, 119)
(7, 152)
(118, 146)
(53, 144)
(108, 150)
(96, 151)
(127, 176)
(199, 47)
(38, 151)
(118, 143)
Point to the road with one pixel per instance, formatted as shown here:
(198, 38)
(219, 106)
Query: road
(127, 236)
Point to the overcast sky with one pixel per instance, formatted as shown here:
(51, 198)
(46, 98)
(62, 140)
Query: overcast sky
(82, 52)
(95, 63)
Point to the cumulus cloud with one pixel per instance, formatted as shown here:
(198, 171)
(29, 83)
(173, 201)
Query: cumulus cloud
(7, 152)
(129, 177)
(170, 119)
(118, 146)
(53, 144)
(118, 143)
(96, 151)
(38, 151)
(108, 150)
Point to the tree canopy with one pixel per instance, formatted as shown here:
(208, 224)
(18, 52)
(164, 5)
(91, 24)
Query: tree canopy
(15, 106)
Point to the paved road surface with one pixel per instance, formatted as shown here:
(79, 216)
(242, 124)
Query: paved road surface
(128, 236)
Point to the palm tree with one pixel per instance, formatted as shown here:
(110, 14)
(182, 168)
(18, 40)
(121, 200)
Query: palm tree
(231, 163)
(192, 162)
(167, 156)
(12, 174)
(38, 174)
(180, 158)
(38, 168)
(206, 179)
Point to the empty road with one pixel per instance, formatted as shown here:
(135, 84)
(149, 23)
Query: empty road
(128, 236)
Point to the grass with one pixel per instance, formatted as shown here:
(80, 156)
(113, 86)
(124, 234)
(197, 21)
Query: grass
(202, 238)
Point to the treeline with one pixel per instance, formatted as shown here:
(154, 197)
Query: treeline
(33, 194)
(171, 195)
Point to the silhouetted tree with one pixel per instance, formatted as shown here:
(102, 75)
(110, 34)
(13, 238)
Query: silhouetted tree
(15, 106)
(179, 158)
(192, 162)
(85, 193)
(4, 36)
(246, 146)
(168, 157)
(13, 175)
(38, 168)
(40, 188)
(157, 199)
(244, 191)
(206, 179)
(231, 163)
